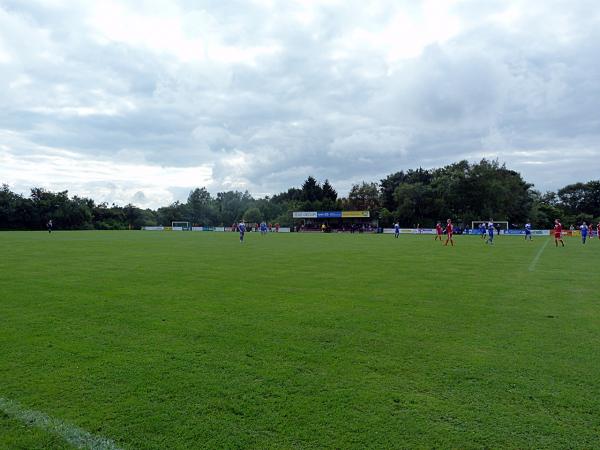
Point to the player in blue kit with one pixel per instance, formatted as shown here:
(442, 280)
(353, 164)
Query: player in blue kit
(396, 229)
(490, 230)
(482, 230)
(584, 232)
(242, 230)
(528, 231)
(263, 228)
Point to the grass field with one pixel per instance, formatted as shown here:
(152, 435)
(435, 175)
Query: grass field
(190, 340)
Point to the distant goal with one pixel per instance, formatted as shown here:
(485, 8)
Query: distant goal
(180, 226)
(501, 223)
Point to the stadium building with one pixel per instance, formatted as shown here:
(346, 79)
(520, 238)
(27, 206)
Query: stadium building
(334, 221)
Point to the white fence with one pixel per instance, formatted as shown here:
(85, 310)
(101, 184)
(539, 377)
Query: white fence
(410, 231)
(216, 229)
(385, 230)
(471, 232)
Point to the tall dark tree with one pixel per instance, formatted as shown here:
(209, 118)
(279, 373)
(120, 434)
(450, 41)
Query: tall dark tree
(311, 190)
(329, 193)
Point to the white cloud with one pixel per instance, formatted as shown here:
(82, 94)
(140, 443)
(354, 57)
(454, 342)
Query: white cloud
(190, 36)
(104, 180)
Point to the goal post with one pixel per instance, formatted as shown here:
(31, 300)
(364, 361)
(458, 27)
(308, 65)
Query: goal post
(180, 226)
(502, 223)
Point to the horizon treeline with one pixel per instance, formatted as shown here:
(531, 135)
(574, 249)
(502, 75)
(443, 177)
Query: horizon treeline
(462, 191)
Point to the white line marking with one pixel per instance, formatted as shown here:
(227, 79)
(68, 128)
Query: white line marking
(537, 256)
(75, 436)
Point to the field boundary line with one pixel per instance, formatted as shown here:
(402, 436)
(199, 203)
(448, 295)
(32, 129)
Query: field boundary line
(536, 258)
(72, 434)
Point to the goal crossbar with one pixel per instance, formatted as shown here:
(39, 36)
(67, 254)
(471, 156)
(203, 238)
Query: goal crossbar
(181, 224)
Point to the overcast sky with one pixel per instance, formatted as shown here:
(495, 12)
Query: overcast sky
(140, 101)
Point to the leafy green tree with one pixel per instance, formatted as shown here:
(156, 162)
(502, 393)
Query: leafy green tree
(363, 197)
(14, 210)
(285, 220)
(269, 210)
(386, 218)
(415, 202)
(176, 211)
(387, 188)
(231, 205)
(137, 218)
(199, 207)
(78, 213)
(580, 198)
(253, 215)
(462, 191)
(292, 195)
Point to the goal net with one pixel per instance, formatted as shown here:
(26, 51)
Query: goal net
(180, 226)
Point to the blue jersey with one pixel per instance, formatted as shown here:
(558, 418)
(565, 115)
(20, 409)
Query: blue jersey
(242, 228)
(527, 228)
(584, 230)
(491, 229)
(397, 228)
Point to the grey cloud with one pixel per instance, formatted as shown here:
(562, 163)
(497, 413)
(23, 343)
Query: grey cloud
(139, 198)
(525, 94)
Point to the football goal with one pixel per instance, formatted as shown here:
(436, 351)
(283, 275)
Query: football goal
(180, 226)
(497, 223)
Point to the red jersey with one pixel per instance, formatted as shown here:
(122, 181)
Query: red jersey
(558, 230)
(449, 229)
(438, 228)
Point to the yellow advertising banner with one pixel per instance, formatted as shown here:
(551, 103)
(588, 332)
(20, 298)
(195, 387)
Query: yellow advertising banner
(359, 214)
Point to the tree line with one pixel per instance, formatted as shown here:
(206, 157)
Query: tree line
(462, 191)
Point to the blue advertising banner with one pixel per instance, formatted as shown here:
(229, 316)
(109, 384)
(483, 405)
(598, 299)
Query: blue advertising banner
(329, 214)
(513, 232)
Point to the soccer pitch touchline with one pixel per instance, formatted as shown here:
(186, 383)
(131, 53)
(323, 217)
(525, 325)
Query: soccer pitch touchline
(537, 256)
(75, 436)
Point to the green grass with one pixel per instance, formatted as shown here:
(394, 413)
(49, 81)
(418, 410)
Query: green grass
(191, 340)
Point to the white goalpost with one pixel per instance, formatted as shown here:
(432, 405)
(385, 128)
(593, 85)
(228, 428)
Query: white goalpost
(180, 226)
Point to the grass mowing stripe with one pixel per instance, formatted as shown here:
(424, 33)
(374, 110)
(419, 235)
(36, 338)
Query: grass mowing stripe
(73, 435)
(537, 256)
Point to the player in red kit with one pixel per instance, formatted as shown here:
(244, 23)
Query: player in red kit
(558, 233)
(449, 233)
(439, 231)
(598, 230)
